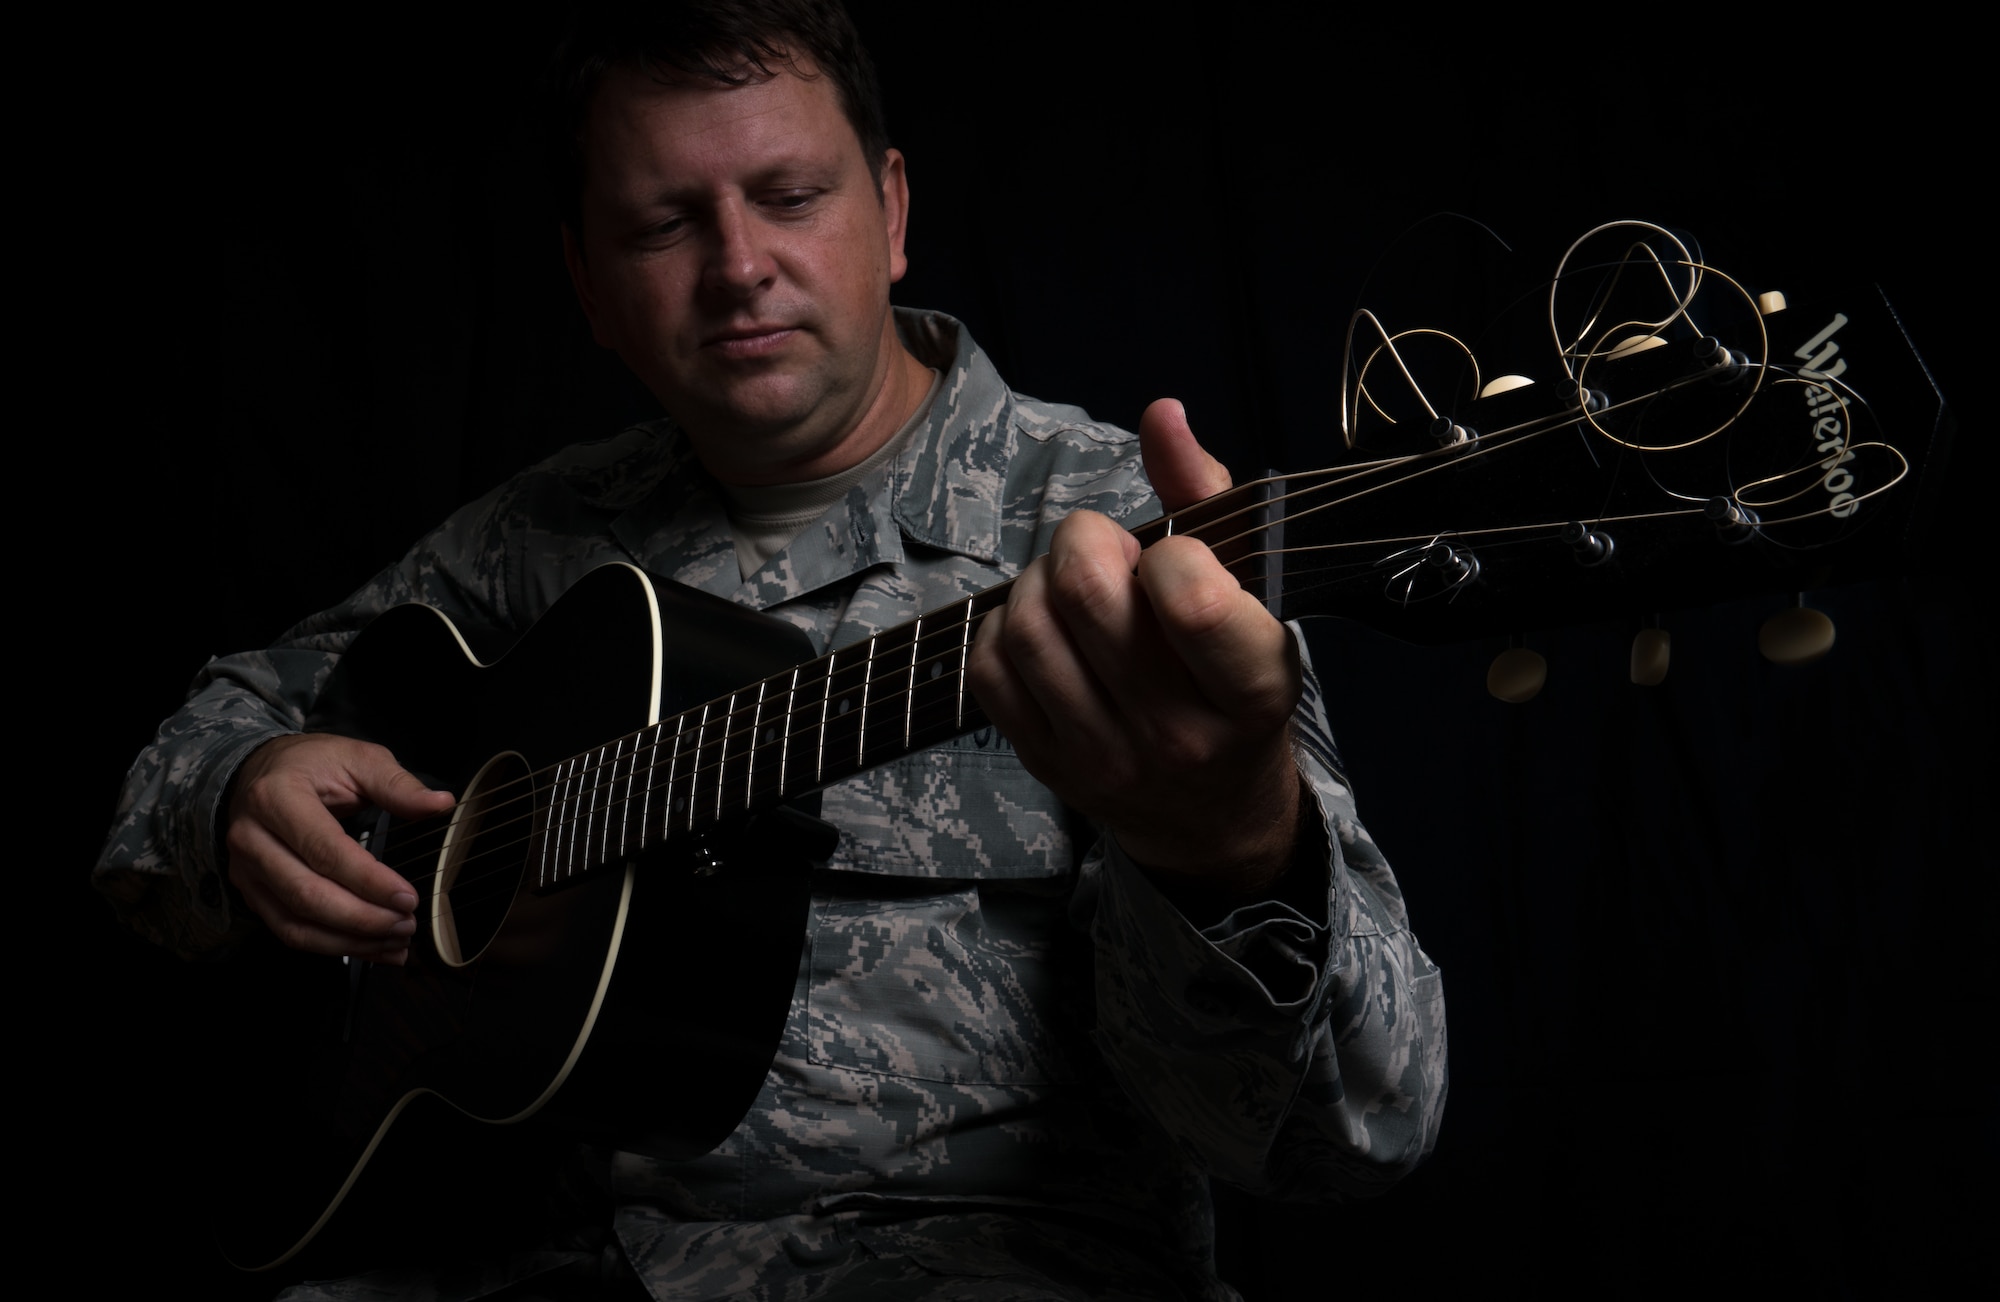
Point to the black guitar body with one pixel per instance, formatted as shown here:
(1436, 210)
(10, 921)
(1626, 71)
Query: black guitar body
(638, 1004)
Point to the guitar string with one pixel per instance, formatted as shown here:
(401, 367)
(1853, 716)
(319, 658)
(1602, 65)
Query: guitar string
(592, 805)
(604, 808)
(864, 671)
(637, 762)
(487, 803)
(1489, 444)
(594, 808)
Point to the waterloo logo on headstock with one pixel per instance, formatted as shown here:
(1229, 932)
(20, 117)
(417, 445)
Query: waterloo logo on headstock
(1829, 414)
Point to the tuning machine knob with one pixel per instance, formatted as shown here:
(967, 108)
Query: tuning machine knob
(1593, 547)
(1734, 522)
(1652, 651)
(1456, 568)
(1724, 365)
(1517, 675)
(1796, 635)
(1447, 433)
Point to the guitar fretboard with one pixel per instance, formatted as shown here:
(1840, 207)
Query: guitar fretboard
(858, 707)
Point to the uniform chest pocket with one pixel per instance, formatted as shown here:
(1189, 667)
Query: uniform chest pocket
(942, 953)
(966, 811)
(951, 982)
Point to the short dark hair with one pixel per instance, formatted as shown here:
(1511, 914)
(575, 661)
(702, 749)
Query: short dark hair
(725, 42)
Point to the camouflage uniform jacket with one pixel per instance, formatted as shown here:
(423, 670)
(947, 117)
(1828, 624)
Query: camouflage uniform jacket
(1005, 1045)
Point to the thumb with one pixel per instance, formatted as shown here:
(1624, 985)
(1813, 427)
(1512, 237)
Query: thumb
(1182, 473)
(400, 791)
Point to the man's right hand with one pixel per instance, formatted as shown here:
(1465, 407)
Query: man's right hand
(312, 884)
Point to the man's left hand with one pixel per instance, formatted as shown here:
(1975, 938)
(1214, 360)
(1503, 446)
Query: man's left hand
(1149, 689)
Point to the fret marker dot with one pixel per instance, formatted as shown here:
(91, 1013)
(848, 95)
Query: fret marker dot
(843, 705)
(936, 669)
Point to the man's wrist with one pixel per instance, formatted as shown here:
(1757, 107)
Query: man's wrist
(1271, 869)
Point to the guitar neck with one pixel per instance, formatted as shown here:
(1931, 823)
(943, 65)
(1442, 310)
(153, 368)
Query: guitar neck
(896, 692)
(1683, 481)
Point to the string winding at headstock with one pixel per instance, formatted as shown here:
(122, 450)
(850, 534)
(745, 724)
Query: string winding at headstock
(1638, 432)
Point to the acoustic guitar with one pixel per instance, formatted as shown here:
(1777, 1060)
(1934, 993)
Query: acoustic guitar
(622, 870)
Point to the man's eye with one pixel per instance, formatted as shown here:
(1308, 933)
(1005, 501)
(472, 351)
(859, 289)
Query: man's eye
(791, 201)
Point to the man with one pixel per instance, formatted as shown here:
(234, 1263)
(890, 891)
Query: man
(1042, 998)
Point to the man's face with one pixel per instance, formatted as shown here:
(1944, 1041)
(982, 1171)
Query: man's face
(737, 254)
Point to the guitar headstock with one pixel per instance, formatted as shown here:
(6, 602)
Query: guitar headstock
(1637, 433)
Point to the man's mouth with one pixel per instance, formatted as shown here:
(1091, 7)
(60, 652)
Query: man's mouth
(749, 342)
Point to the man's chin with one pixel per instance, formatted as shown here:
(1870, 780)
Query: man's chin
(764, 444)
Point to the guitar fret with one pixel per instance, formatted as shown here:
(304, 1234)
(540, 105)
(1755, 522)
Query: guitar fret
(733, 768)
(638, 798)
(772, 733)
(668, 806)
(843, 709)
(722, 754)
(581, 827)
(551, 825)
(756, 739)
(593, 810)
(572, 803)
(885, 726)
(936, 702)
(910, 689)
(964, 655)
(785, 747)
(653, 771)
(564, 820)
(586, 794)
(614, 807)
(867, 698)
(652, 766)
(827, 705)
(694, 799)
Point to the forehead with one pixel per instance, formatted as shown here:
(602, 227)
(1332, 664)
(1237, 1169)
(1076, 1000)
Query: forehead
(684, 129)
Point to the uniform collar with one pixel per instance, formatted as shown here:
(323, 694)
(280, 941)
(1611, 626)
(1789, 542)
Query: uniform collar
(943, 492)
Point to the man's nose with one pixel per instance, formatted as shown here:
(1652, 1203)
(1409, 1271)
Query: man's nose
(739, 260)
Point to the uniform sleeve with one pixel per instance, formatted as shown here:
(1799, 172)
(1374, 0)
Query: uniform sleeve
(161, 866)
(1293, 1050)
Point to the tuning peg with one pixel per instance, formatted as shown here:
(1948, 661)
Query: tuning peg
(1734, 523)
(1446, 433)
(1770, 302)
(1724, 365)
(1652, 649)
(1454, 567)
(1516, 675)
(1796, 635)
(1592, 546)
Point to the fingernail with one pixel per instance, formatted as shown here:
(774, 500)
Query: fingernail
(403, 902)
(407, 927)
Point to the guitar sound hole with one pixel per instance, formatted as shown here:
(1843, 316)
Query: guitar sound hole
(485, 856)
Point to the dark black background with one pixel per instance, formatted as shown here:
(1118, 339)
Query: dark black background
(1716, 953)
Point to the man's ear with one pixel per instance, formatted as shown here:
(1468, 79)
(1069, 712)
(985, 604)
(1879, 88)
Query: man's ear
(895, 210)
(579, 280)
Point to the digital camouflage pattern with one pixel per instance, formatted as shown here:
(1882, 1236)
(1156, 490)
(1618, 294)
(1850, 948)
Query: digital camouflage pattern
(1011, 1064)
